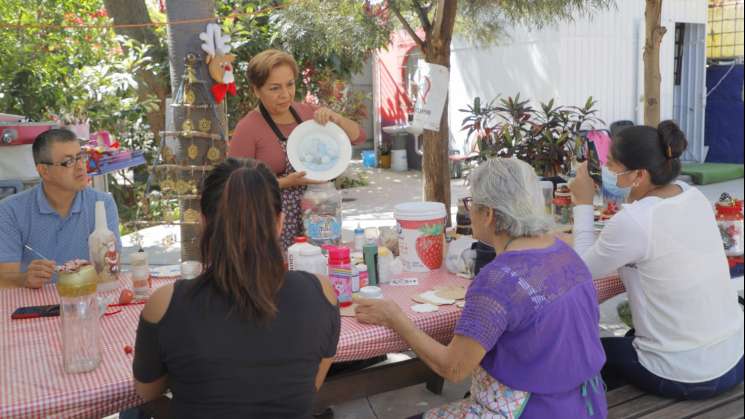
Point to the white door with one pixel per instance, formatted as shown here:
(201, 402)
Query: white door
(690, 89)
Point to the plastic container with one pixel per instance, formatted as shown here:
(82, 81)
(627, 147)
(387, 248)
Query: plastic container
(369, 159)
(141, 281)
(79, 309)
(362, 271)
(190, 269)
(312, 260)
(340, 274)
(293, 252)
(399, 162)
(730, 222)
(371, 293)
(421, 235)
(547, 187)
(321, 206)
(370, 253)
(104, 255)
(562, 205)
(385, 262)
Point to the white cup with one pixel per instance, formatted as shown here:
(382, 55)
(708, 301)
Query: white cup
(190, 269)
(371, 293)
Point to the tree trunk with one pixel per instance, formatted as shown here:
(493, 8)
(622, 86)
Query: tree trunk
(182, 40)
(435, 164)
(652, 78)
(125, 12)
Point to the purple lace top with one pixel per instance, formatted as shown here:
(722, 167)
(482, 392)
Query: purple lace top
(536, 314)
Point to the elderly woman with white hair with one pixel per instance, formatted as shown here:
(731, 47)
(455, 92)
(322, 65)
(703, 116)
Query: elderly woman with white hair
(528, 334)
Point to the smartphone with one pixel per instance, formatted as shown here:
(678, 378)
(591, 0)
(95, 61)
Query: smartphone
(593, 164)
(35, 312)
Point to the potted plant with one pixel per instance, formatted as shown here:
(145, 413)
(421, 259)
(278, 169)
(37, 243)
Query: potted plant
(548, 138)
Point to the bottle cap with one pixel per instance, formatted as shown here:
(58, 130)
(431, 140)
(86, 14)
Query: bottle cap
(339, 256)
(301, 239)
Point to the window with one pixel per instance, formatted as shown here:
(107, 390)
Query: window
(679, 39)
(725, 30)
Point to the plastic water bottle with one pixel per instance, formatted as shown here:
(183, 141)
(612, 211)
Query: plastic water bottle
(293, 252)
(359, 238)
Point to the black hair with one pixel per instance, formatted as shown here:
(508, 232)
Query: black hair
(44, 141)
(657, 150)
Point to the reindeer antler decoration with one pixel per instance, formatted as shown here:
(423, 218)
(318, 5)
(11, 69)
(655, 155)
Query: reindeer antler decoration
(219, 61)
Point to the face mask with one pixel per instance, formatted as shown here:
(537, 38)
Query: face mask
(611, 190)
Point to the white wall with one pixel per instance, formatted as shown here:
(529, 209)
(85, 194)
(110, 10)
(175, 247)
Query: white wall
(598, 56)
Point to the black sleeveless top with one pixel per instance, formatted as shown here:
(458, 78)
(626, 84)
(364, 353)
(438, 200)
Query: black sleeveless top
(221, 365)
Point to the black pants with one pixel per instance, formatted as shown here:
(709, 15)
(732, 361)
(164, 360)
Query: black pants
(623, 367)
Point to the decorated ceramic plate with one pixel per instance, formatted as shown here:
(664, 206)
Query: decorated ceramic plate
(323, 152)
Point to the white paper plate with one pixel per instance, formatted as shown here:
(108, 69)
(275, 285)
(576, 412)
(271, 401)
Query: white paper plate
(323, 152)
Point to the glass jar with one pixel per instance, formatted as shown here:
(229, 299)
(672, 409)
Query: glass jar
(463, 221)
(562, 205)
(321, 206)
(140, 275)
(730, 222)
(79, 309)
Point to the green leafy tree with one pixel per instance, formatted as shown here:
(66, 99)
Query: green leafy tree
(329, 41)
(39, 65)
(479, 20)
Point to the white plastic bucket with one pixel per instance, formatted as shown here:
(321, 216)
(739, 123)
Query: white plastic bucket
(421, 235)
(398, 161)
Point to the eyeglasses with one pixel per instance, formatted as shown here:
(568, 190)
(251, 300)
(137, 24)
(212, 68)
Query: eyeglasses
(69, 162)
(467, 202)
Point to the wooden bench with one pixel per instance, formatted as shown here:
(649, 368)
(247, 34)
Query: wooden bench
(631, 403)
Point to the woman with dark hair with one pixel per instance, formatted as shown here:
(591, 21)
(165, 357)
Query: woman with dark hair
(262, 134)
(688, 338)
(245, 338)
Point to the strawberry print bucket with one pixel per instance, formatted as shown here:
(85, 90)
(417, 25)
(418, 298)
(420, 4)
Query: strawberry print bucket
(421, 235)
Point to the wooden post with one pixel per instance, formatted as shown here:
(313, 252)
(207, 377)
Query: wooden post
(652, 79)
(182, 40)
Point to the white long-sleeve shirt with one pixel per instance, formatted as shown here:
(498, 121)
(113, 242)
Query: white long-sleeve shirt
(669, 253)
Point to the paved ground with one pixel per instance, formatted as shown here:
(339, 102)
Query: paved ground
(372, 206)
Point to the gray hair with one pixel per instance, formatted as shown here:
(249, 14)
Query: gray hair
(510, 187)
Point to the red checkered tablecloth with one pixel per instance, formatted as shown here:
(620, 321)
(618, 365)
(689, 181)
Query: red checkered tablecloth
(359, 341)
(608, 287)
(33, 383)
(32, 379)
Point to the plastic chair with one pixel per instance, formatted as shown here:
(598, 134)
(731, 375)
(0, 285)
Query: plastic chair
(10, 187)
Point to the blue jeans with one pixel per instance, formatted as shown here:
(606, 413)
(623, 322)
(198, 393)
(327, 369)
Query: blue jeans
(623, 367)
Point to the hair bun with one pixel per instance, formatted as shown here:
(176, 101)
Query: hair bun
(672, 140)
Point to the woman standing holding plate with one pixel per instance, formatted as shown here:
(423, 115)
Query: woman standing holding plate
(262, 134)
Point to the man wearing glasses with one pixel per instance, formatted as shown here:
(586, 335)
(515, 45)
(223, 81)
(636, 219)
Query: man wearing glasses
(54, 218)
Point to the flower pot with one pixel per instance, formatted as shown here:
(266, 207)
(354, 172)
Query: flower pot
(385, 161)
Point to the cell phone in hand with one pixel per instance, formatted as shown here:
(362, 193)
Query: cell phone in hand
(593, 164)
(34, 312)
